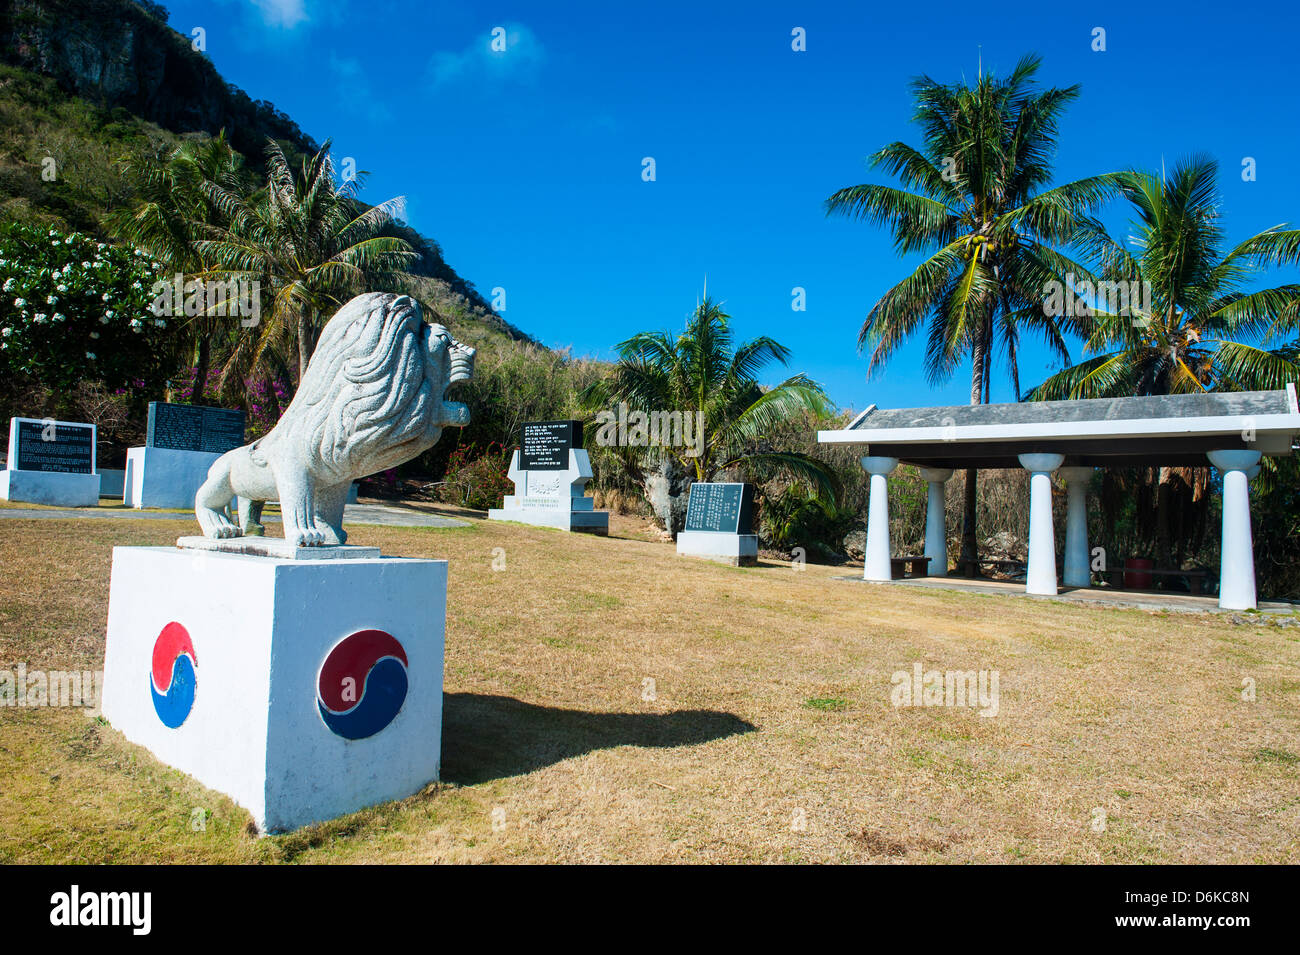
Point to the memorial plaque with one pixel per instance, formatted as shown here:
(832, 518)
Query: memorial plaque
(51, 446)
(726, 508)
(194, 428)
(545, 445)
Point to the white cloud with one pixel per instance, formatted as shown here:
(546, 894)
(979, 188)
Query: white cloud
(282, 13)
(518, 61)
(354, 90)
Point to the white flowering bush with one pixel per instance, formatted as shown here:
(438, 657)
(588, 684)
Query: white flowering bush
(73, 309)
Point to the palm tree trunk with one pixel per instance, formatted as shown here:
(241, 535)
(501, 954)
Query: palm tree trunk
(968, 563)
(201, 364)
(305, 343)
(1164, 517)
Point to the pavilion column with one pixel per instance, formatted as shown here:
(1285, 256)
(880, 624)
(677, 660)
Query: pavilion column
(936, 525)
(877, 565)
(1041, 578)
(1078, 558)
(1237, 551)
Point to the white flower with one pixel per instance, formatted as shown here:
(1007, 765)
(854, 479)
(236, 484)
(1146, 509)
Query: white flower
(38, 318)
(104, 296)
(19, 302)
(62, 288)
(6, 332)
(90, 355)
(136, 324)
(59, 317)
(9, 285)
(52, 300)
(85, 265)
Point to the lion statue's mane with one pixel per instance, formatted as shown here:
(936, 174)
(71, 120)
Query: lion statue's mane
(372, 398)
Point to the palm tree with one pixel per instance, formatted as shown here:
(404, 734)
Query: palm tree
(1185, 338)
(180, 193)
(702, 371)
(1188, 341)
(975, 200)
(309, 242)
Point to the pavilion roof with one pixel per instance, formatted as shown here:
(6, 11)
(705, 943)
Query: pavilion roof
(1157, 430)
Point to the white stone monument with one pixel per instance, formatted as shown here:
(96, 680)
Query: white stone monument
(302, 677)
(719, 519)
(51, 462)
(550, 471)
(302, 689)
(182, 443)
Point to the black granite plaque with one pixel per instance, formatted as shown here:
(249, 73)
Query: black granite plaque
(54, 446)
(194, 428)
(545, 445)
(728, 508)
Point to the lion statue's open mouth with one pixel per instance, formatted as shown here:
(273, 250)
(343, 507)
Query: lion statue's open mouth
(373, 397)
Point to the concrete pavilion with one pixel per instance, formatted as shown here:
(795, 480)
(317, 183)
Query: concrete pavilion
(1230, 430)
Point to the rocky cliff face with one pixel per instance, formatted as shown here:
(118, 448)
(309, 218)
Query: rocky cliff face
(122, 54)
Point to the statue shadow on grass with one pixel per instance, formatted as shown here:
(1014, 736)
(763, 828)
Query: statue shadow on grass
(491, 737)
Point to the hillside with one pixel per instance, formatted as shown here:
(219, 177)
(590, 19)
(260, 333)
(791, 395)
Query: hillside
(87, 83)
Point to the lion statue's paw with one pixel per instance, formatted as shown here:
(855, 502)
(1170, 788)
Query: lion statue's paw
(305, 537)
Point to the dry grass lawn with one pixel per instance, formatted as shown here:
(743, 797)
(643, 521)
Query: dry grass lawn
(1122, 735)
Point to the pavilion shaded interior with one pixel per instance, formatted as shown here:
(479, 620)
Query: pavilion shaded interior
(1232, 431)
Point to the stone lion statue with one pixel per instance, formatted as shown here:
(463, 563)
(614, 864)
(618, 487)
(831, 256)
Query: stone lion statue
(372, 398)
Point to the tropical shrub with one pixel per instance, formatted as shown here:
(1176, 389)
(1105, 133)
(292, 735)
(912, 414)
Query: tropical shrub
(477, 481)
(73, 309)
(796, 517)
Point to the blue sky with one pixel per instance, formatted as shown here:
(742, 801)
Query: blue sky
(527, 166)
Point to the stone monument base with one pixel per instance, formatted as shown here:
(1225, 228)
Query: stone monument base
(302, 689)
(164, 477)
(277, 547)
(56, 488)
(112, 483)
(738, 550)
(579, 522)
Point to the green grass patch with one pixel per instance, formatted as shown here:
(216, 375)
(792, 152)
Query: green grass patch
(827, 704)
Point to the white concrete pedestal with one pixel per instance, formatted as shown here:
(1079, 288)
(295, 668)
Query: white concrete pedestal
(1078, 557)
(553, 498)
(55, 488)
(738, 550)
(301, 689)
(876, 564)
(1040, 577)
(1237, 549)
(164, 477)
(936, 525)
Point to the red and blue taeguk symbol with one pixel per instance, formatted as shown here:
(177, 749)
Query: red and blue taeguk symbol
(362, 684)
(172, 680)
